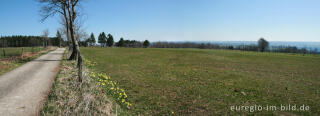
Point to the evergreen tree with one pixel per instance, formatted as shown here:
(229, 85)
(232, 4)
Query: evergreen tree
(102, 39)
(92, 40)
(263, 44)
(120, 43)
(146, 43)
(110, 40)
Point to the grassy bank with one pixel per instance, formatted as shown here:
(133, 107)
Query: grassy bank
(208, 82)
(15, 58)
(69, 97)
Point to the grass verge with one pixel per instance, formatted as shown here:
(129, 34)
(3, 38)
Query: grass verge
(69, 97)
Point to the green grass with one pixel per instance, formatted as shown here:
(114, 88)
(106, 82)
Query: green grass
(16, 51)
(208, 82)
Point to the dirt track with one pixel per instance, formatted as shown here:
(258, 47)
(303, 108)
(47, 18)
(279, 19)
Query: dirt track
(24, 90)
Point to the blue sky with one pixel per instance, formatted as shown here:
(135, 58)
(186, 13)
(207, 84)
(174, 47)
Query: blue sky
(178, 20)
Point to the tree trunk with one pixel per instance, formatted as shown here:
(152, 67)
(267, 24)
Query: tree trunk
(70, 43)
(75, 44)
(73, 51)
(71, 54)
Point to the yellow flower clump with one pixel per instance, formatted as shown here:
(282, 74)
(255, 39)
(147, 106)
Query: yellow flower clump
(89, 63)
(110, 86)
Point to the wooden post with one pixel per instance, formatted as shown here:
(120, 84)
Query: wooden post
(79, 67)
(4, 52)
(22, 51)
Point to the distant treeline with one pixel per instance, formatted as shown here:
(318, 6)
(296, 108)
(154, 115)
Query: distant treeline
(108, 40)
(282, 49)
(28, 41)
(122, 43)
(262, 46)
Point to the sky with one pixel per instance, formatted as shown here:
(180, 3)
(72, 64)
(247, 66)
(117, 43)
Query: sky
(177, 20)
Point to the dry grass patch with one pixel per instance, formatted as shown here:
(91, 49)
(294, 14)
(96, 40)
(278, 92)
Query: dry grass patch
(69, 97)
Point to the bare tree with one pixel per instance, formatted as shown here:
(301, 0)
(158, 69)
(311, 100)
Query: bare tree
(59, 38)
(66, 33)
(68, 9)
(45, 35)
(80, 33)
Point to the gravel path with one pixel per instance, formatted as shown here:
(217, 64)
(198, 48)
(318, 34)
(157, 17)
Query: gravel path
(25, 89)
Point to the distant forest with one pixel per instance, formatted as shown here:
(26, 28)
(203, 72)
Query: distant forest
(29, 41)
(32, 41)
(253, 47)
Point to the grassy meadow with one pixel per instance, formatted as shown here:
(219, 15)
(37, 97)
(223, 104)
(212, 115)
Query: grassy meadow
(16, 51)
(14, 59)
(208, 82)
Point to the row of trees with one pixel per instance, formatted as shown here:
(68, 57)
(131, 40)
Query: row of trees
(30, 41)
(262, 46)
(108, 40)
(132, 43)
(105, 40)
